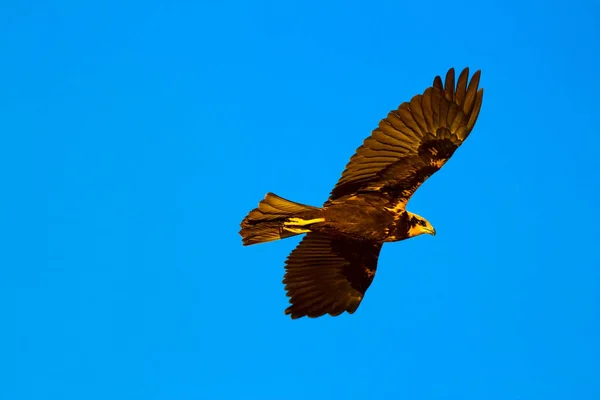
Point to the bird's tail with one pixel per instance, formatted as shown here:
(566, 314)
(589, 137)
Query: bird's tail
(277, 218)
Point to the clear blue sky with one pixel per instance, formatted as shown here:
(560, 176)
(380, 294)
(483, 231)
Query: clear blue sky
(136, 136)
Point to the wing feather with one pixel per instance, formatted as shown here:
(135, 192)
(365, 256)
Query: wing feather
(414, 141)
(409, 121)
(416, 111)
(427, 104)
(327, 275)
(449, 85)
(471, 93)
(476, 109)
(461, 87)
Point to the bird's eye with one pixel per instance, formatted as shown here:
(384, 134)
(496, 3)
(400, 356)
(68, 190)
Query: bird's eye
(422, 223)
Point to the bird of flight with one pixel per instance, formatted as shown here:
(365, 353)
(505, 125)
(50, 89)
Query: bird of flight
(334, 264)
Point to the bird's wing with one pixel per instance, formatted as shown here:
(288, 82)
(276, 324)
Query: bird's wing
(414, 141)
(328, 275)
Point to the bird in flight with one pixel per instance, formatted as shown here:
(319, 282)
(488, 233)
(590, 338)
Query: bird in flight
(334, 264)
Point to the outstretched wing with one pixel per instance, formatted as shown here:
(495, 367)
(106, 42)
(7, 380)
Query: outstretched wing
(327, 275)
(414, 141)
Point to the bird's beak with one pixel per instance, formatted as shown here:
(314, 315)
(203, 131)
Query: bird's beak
(431, 230)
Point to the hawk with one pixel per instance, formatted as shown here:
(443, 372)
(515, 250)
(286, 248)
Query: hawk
(332, 267)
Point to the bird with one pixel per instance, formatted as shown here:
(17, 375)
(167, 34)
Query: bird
(334, 264)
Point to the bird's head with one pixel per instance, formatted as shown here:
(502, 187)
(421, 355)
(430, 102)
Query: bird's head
(418, 225)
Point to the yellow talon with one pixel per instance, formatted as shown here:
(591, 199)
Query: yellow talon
(302, 222)
(296, 230)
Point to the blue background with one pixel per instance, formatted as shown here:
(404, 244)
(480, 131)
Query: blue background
(136, 136)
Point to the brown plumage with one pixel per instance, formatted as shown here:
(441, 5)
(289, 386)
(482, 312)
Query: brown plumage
(335, 263)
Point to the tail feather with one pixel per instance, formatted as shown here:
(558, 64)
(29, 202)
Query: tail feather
(267, 222)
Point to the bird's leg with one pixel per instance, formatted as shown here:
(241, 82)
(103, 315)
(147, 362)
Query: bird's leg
(293, 224)
(296, 230)
(302, 222)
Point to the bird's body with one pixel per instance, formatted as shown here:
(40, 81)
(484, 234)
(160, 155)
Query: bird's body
(334, 264)
(358, 218)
